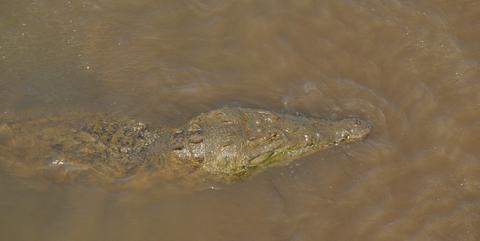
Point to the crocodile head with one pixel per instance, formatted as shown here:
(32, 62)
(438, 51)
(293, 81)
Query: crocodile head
(235, 142)
(288, 137)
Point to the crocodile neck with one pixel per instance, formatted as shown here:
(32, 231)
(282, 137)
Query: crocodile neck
(175, 154)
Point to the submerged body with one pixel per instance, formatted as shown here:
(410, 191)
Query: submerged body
(222, 145)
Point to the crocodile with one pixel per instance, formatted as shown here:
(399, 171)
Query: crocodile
(222, 145)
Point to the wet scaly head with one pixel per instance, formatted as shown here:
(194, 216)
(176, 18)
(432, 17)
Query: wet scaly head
(240, 141)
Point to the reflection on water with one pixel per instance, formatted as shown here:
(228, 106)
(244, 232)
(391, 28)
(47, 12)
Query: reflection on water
(411, 67)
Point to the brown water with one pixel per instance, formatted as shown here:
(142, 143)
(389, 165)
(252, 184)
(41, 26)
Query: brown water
(411, 67)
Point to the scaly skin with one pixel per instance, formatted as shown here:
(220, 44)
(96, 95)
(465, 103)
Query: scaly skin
(222, 145)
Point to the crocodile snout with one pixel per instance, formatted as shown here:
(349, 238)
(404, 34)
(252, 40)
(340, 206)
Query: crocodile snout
(356, 128)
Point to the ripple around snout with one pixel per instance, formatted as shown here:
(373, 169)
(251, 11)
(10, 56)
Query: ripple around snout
(322, 100)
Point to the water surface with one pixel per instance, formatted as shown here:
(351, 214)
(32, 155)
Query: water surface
(411, 67)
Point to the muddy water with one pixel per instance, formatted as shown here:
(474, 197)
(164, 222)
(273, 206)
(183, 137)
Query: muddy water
(411, 67)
